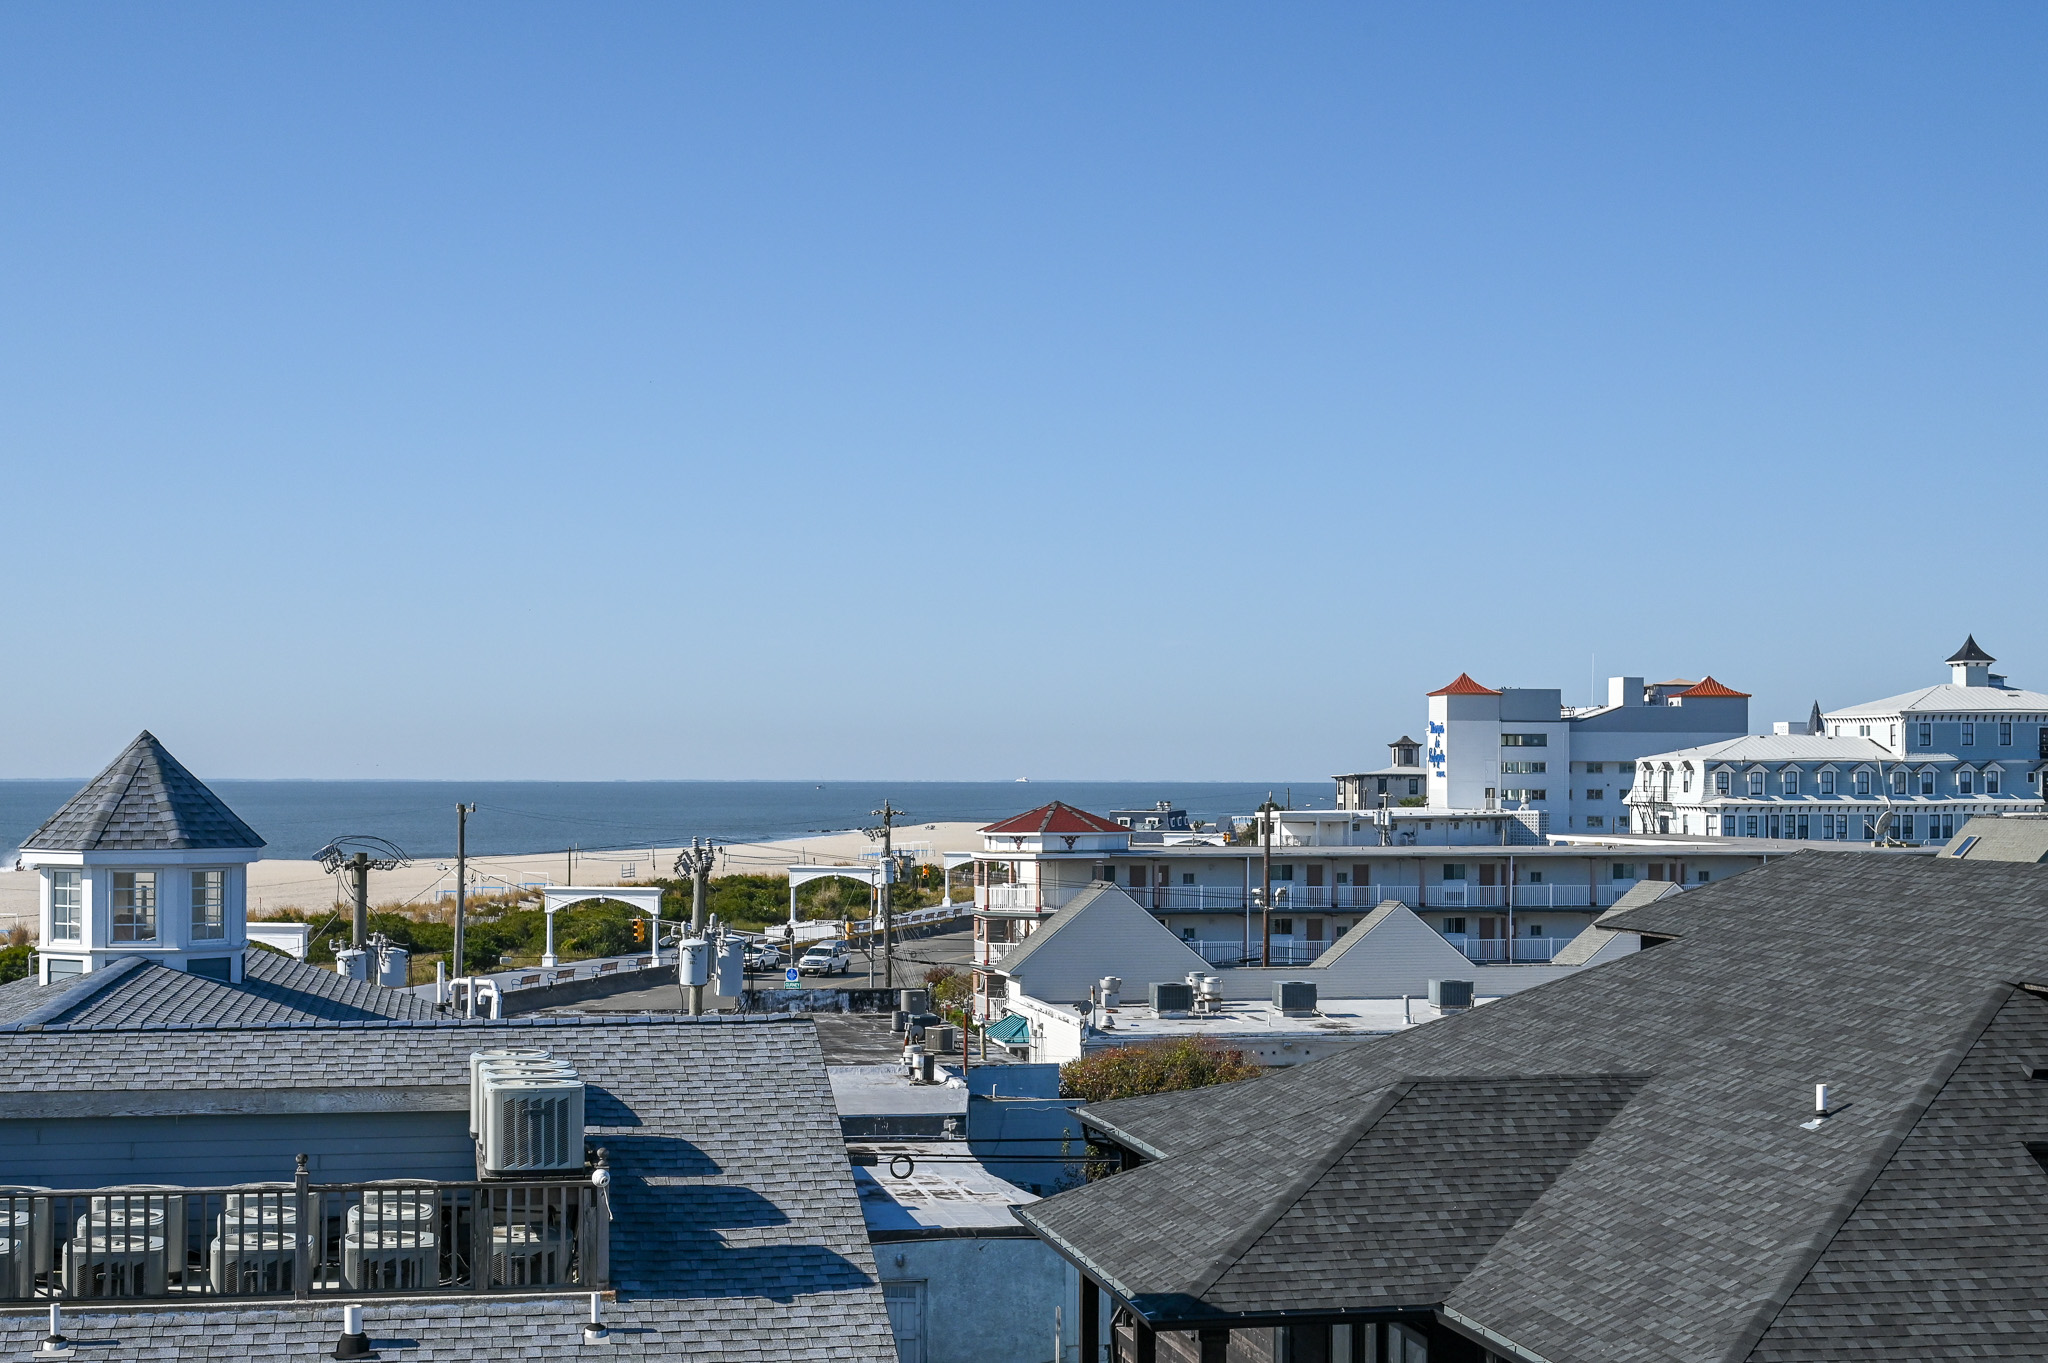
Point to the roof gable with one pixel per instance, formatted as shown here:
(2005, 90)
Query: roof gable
(144, 801)
(1101, 931)
(1057, 817)
(1464, 686)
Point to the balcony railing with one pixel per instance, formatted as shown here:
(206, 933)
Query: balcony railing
(1296, 898)
(301, 1240)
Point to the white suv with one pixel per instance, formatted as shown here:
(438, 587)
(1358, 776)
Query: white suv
(826, 958)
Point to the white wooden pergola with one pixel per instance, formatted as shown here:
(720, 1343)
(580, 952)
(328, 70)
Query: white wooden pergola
(643, 897)
(803, 875)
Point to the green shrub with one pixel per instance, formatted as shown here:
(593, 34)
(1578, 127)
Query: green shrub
(1153, 1067)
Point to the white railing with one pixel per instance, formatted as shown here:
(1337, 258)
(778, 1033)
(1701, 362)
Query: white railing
(1026, 898)
(1495, 950)
(938, 913)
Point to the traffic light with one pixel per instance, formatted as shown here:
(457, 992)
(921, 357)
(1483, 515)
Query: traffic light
(639, 931)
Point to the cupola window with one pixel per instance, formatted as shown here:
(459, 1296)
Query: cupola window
(67, 906)
(135, 906)
(209, 905)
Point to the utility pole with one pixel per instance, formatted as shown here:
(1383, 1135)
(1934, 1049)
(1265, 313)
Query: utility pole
(462, 813)
(697, 862)
(1266, 878)
(888, 814)
(359, 869)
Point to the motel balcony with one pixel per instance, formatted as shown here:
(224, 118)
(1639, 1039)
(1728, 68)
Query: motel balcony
(1029, 901)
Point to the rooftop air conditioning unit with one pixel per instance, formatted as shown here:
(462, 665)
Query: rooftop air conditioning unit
(479, 1061)
(1294, 998)
(1446, 994)
(530, 1124)
(1169, 999)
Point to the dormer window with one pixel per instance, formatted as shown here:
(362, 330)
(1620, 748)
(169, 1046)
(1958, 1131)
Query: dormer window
(1756, 785)
(1863, 783)
(1685, 778)
(1790, 781)
(135, 906)
(1827, 783)
(1991, 780)
(1863, 731)
(209, 905)
(1966, 780)
(1898, 783)
(67, 905)
(1722, 783)
(1927, 780)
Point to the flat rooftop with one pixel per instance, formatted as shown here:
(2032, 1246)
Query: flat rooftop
(1236, 1020)
(924, 1188)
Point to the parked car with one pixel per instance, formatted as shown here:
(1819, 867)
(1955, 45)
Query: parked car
(763, 956)
(826, 958)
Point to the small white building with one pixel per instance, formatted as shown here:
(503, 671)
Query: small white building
(145, 861)
(1907, 768)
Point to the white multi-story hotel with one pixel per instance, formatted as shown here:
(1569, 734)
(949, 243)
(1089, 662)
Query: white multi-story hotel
(1522, 749)
(1907, 768)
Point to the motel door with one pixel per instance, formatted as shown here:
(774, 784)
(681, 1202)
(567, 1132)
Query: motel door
(1493, 935)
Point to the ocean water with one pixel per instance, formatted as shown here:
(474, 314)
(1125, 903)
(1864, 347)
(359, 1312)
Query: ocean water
(296, 818)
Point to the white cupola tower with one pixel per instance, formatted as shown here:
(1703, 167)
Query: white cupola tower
(145, 861)
(1970, 665)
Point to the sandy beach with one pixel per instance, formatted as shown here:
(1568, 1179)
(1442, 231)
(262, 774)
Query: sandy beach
(282, 884)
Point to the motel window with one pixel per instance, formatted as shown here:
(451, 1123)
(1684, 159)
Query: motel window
(2004, 734)
(1593, 793)
(1700, 877)
(1966, 782)
(67, 906)
(1187, 877)
(1525, 740)
(1863, 783)
(1596, 821)
(1727, 825)
(1285, 872)
(1455, 926)
(1454, 870)
(1756, 783)
(1524, 768)
(1927, 735)
(1415, 785)
(1827, 783)
(1791, 782)
(1283, 927)
(1969, 735)
(1927, 782)
(1899, 779)
(1623, 870)
(1749, 826)
(135, 906)
(1722, 783)
(1595, 768)
(1991, 780)
(1535, 929)
(209, 905)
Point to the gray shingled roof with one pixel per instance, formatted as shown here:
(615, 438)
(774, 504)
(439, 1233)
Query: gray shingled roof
(144, 801)
(275, 991)
(1701, 1220)
(1993, 837)
(737, 1234)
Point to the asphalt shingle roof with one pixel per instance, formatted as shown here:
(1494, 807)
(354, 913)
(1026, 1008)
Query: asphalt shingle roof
(737, 1234)
(144, 801)
(1698, 1219)
(275, 991)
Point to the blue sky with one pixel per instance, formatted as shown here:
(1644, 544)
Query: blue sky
(964, 392)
